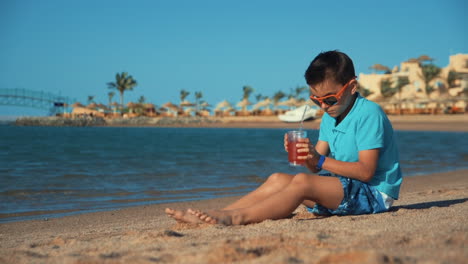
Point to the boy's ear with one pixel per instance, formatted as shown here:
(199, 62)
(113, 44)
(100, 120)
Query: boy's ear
(355, 85)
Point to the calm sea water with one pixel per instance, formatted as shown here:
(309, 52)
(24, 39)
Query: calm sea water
(55, 171)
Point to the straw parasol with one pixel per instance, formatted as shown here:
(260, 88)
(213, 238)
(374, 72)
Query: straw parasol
(244, 103)
(92, 106)
(265, 103)
(170, 106)
(149, 106)
(102, 106)
(77, 104)
(186, 103)
(131, 105)
(290, 102)
(189, 110)
(205, 105)
(223, 104)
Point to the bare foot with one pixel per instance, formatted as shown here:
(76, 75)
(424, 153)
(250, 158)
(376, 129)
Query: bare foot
(184, 217)
(215, 217)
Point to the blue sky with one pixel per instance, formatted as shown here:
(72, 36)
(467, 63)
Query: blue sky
(74, 48)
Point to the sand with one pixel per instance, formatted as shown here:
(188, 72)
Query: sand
(427, 225)
(455, 123)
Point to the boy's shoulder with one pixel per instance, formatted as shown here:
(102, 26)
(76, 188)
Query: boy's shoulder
(368, 107)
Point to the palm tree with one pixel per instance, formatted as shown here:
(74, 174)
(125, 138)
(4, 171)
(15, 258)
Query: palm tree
(400, 83)
(123, 82)
(429, 72)
(198, 96)
(111, 95)
(277, 97)
(247, 90)
(300, 90)
(363, 90)
(452, 77)
(90, 99)
(141, 100)
(183, 95)
(386, 88)
(258, 97)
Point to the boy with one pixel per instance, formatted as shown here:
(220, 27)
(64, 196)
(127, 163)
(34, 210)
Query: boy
(356, 145)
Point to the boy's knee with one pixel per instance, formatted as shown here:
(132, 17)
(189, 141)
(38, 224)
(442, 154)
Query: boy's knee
(303, 179)
(279, 178)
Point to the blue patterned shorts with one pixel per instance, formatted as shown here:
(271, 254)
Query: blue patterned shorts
(359, 198)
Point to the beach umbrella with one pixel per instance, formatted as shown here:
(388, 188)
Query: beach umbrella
(171, 106)
(131, 105)
(149, 106)
(380, 67)
(92, 106)
(243, 103)
(186, 103)
(77, 104)
(290, 102)
(189, 110)
(205, 105)
(102, 106)
(264, 103)
(223, 104)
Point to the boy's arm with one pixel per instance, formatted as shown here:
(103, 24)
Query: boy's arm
(362, 170)
(322, 148)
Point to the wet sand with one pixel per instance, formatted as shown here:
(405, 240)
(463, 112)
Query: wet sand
(427, 225)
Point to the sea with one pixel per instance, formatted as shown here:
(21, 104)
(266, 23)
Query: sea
(48, 172)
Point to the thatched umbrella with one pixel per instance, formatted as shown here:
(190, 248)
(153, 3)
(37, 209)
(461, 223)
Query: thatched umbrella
(204, 105)
(244, 103)
(265, 103)
(222, 105)
(380, 67)
(77, 104)
(149, 106)
(92, 106)
(102, 106)
(186, 103)
(291, 102)
(189, 110)
(171, 106)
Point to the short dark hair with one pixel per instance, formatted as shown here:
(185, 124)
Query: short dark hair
(334, 65)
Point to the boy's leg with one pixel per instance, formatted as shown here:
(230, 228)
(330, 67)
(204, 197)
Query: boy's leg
(275, 183)
(327, 191)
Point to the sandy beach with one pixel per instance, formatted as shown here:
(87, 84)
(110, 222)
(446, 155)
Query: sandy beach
(455, 123)
(427, 225)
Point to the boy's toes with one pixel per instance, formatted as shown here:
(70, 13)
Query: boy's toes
(169, 211)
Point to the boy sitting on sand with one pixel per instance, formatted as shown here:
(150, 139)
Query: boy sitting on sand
(356, 145)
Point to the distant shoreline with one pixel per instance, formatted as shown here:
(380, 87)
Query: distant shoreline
(455, 123)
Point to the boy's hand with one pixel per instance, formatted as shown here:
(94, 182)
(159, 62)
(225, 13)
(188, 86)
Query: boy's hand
(312, 158)
(286, 142)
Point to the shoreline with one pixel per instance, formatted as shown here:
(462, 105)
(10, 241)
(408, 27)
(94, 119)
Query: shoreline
(431, 213)
(449, 123)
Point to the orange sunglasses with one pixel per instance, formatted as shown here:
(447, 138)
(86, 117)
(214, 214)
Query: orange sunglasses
(331, 99)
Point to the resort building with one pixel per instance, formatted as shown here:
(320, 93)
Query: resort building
(408, 88)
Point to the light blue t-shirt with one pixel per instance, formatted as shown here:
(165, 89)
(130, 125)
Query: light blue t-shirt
(365, 127)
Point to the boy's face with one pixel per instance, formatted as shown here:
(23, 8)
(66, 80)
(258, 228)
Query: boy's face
(331, 87)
